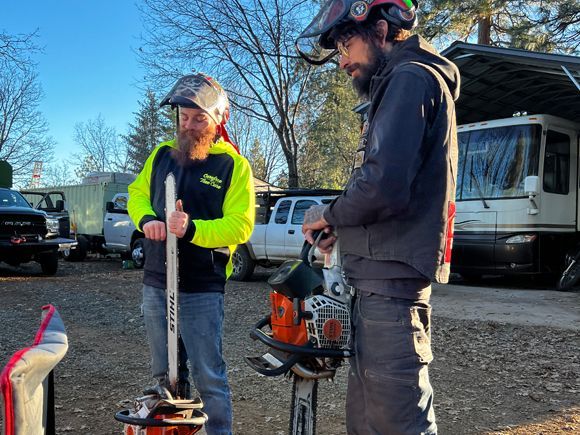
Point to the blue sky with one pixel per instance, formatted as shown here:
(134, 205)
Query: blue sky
(87, 67)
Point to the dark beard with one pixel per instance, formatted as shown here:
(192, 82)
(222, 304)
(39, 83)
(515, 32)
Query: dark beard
(362, 83)
(193, 146)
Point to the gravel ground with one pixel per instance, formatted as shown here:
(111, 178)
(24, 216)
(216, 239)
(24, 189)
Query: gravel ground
(489, 377)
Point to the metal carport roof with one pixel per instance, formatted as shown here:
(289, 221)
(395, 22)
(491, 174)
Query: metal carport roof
(497, 82)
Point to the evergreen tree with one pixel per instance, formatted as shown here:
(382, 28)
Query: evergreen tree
(540, 25)
(152, 126)
(332, 133)
(258, 161)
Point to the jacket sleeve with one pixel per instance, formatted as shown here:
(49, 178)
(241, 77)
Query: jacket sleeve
(139, 204)
(394, 153)
(239, 211)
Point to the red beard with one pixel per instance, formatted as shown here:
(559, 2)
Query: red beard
(193, 146)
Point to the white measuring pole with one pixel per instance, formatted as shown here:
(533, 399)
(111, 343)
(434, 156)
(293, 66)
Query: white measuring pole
(172, 287)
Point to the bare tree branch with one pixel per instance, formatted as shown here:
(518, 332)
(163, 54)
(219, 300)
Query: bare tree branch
(23, 129)
(247, 45)
(102, 149)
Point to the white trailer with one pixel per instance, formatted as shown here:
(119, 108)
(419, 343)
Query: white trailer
(87, 204)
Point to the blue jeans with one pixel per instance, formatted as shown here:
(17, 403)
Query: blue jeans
(389, 392)
(200, 325)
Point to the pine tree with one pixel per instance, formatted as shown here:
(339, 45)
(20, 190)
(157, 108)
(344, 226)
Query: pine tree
(152, 126)
(258, 161)
(332, 136)
(546, 25)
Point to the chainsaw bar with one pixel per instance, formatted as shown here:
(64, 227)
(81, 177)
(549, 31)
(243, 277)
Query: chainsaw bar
(172, 287)
(304, 404)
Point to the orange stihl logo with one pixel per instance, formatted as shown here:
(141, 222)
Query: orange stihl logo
(332, 329)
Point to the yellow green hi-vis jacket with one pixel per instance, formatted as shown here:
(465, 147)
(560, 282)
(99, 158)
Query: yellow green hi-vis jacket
(218, 196)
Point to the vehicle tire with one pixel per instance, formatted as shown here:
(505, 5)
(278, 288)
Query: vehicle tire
(243, 264)
(78, 254)
(570, 277)
(49, 263)
(138, 253)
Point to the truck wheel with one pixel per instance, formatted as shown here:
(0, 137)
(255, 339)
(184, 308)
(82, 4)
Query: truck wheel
(49, 263)
(138, 254)
(79, 253)
(570, 276)
(243, 264)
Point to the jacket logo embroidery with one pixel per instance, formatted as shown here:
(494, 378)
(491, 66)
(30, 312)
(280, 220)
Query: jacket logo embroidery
(211, 180)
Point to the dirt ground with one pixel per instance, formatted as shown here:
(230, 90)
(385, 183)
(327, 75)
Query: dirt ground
(500, 372)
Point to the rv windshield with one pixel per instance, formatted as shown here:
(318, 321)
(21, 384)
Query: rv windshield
(494, 162)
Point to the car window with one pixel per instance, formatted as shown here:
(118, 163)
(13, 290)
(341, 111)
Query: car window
(299, 210)
(557, 163)
(282, 212)
(120, 203)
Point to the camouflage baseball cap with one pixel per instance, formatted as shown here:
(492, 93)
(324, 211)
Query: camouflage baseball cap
(199, 91)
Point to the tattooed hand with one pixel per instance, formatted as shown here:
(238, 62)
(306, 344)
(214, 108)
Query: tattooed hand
(314, 220)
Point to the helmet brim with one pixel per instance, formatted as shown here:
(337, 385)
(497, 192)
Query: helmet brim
(183, 102)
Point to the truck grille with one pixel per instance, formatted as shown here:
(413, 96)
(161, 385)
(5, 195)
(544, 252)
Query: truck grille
(22, 225)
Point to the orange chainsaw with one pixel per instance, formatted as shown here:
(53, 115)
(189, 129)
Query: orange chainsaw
(309, 330)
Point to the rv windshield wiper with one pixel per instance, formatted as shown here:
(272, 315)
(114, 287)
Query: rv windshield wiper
(485, 205)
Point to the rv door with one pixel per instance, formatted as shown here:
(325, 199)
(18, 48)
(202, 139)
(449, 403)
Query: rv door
(558, 181)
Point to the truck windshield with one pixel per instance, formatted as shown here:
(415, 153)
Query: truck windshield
(494, 162)
(10, 198)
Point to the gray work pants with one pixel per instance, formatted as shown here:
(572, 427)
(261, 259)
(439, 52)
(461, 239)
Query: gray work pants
(389, 392)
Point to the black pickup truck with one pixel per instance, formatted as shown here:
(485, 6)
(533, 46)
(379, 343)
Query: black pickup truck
(27, 234)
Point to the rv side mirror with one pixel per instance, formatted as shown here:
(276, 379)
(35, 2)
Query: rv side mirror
(59, 205)
(110, 206)
(531, 185)
(531, 188)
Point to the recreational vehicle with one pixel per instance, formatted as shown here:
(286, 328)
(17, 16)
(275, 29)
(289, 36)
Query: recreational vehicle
(517, 193)
(517, 196)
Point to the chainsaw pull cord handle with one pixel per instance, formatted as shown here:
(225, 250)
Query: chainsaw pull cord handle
(307, 253)
(307, 256)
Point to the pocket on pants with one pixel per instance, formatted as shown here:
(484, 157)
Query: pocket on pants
(378, 309)
(421, 324)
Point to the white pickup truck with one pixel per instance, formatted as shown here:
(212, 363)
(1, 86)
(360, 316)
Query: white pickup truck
(277, 235)
(120, 233)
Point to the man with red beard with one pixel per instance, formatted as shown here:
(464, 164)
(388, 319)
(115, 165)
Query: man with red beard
(214, 213)
(394, 218)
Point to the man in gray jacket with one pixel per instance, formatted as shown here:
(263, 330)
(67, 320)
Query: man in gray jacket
(395, 216)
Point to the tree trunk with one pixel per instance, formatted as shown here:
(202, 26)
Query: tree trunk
(292, 175)
(484, 31)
